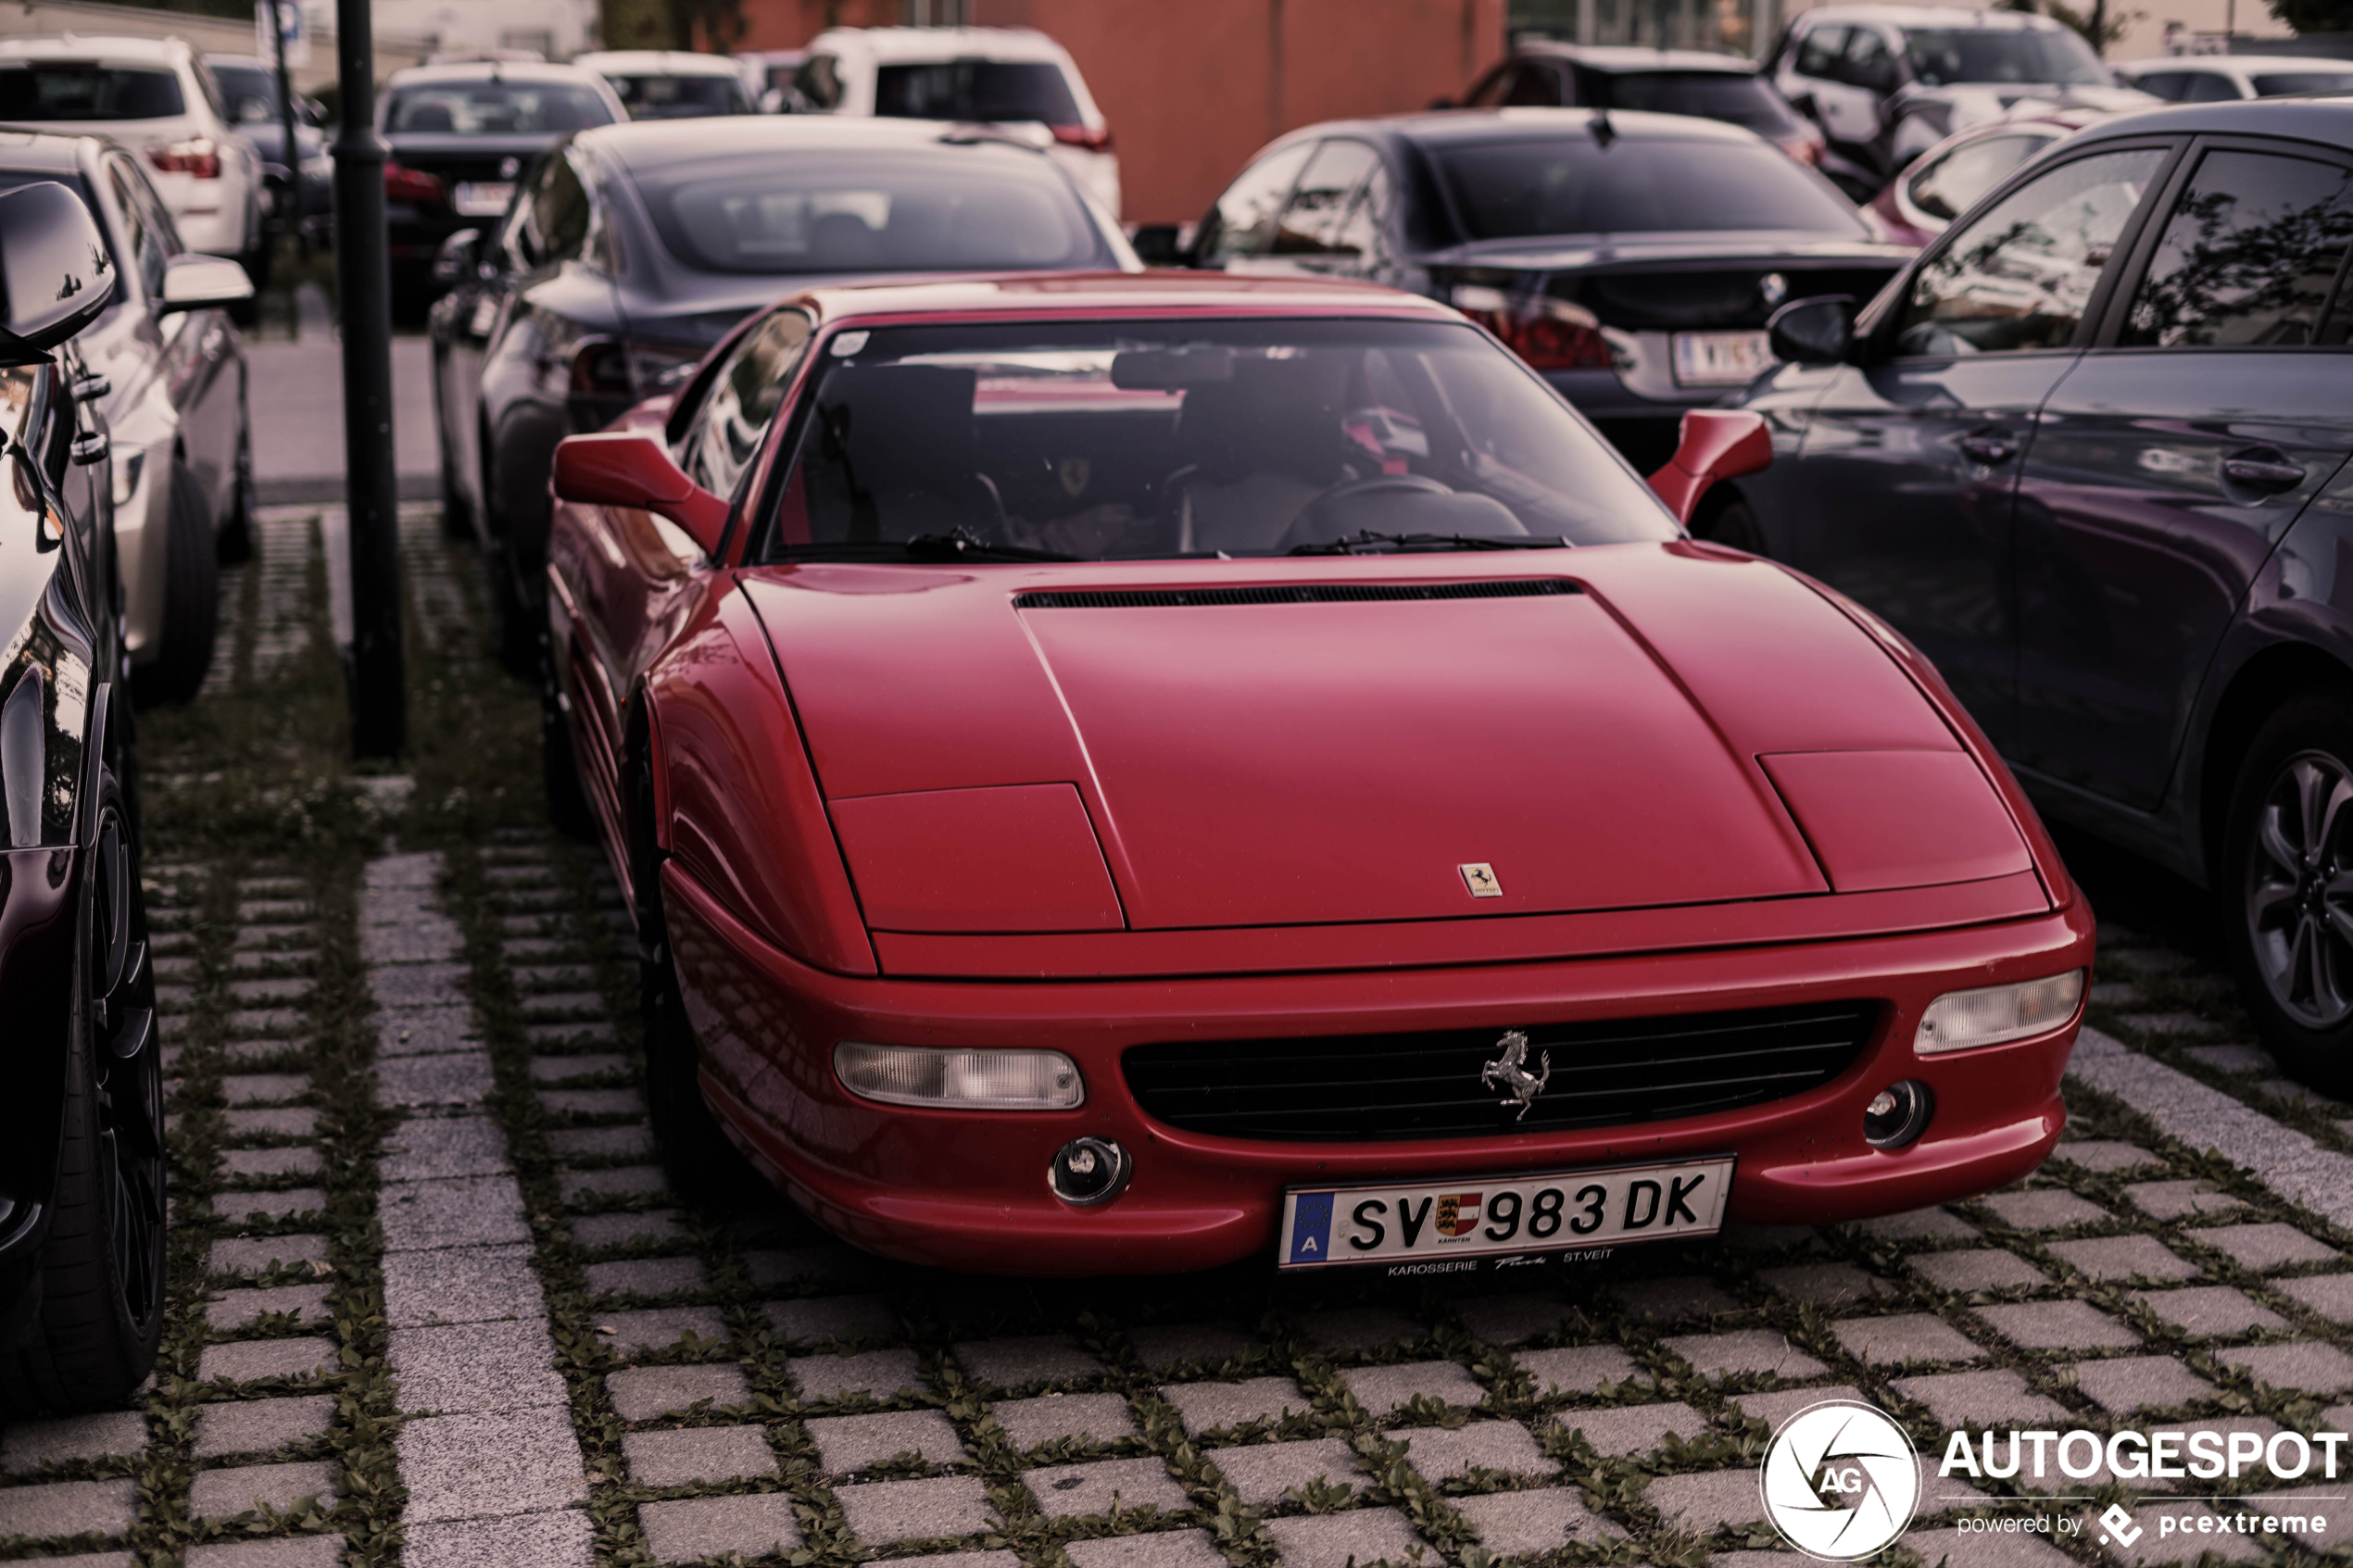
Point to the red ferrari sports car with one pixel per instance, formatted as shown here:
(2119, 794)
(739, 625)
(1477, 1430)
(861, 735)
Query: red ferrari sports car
(1130, 773)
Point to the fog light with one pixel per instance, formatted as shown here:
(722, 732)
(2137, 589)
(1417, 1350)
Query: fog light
(1897, 1114)
(1088, 1171)
(984, 1080)
(1958, 1020)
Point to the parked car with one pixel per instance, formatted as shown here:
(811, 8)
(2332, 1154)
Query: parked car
(1048, 811)
(768, 76)
(1887, 82)
(82, 1132)
(2088, 454)
(1631, 257)
(1540, 74)
(1013, 78)
(670, 84)
(158, 97)
(2214, 79)
(167, 374)
(308, 179)
(634, 249)
(462, 136)
(1949, 179)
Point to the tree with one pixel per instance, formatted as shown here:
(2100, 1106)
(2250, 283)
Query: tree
(2315, 16)
(2106, 23)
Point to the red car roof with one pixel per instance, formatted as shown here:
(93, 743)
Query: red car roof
(1083, 294)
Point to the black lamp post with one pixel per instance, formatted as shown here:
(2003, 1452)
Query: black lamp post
(363, 278)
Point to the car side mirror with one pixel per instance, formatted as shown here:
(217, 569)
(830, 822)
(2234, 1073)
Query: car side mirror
(56, 272)
(631, 468)
(1813, 332)
(1158, 244)
(460, 258)
(201, 283)
(1717, 444)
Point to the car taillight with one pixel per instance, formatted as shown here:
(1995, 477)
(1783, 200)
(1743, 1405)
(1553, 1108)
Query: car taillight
(1080, 136)
(1550, 334)
(197, 155)
(402, 184)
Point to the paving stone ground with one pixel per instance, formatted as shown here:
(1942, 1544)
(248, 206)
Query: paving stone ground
(434, 1303)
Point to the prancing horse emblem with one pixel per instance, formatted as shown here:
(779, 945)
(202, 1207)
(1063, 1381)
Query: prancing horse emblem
(1509, 1071)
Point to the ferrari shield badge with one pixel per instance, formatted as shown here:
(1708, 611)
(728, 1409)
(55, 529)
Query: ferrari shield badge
(1509, 1072)
(1479, 877)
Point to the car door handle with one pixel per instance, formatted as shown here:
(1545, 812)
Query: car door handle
(90, 388)
(91, 448)
(1991, 448)
(2262, 468)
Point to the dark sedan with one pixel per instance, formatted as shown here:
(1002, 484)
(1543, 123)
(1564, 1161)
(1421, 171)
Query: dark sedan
(307, 180)
(1540, 74)
(2089, 456)
(636, 248)
(1631, 258)
(462, 136)
(82, 1155)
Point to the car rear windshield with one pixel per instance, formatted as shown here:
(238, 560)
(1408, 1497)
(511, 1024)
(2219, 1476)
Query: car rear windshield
(678, 98)
(1197, 437)
(2273, 83)
(1570, 185)
(951, 209)
(244, 81)
(1941, 56)
(978, 90)
(1732, 96)
(53, 89)
(492, 108)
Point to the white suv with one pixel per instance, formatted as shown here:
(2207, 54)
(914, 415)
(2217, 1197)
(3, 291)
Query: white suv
(1013, 78)
(158, 98)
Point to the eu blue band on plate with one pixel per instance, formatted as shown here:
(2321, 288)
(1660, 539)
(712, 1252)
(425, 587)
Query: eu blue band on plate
(1311, 1230)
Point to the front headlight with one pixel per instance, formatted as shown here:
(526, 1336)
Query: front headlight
(960, 1080)
(1958, 1020)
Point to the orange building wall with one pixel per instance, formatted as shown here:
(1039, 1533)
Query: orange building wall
(1193, 87)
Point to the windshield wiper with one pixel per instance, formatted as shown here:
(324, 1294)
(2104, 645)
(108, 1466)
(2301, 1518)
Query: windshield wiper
(1367, 540)
(957, 543)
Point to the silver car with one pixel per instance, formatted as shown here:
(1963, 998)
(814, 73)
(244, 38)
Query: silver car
(166, 368)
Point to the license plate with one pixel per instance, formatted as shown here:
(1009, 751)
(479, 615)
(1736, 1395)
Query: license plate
(1720, 358)
(483, 200)
(1442, 1226)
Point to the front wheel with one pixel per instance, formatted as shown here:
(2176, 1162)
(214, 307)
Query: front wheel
(559, 763)
(2287, 881)
(191, 597)
(94, 1337)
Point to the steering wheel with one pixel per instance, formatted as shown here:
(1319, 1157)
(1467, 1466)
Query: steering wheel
(1350, 489)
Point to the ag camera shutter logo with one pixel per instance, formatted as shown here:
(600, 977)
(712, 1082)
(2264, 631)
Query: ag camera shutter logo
(1840, 1480)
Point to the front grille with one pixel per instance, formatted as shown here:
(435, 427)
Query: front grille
(1292, 594)
(1427, 1085)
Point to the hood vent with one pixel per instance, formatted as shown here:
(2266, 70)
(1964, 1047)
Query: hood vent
(1301, 593)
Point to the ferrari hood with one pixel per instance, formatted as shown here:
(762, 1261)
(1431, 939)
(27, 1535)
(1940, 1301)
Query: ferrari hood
(1245, 744)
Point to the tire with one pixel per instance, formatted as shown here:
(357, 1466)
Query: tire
(93, 1336)
(191, 597)
(1732, 524)
(559, 764)
(457, 516)
(235, 543)
(514, 619)
(703, 1163)
(2286, 870)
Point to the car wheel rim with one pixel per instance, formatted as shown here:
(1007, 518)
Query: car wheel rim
(121, 1008)
(2299, 890)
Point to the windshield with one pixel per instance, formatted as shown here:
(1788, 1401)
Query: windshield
(2273, 83)
(71, 90)
(492, 108)
(976, 90)
(946, 210)
(1730, 96)
(1112, 441)
(1570, 185)
(244, 81)
(1942, 56)
(679, 97)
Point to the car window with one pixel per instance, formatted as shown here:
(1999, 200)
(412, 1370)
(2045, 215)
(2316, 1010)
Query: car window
(1492, 87)
(2169, 86)
(2211, 87)
(657, 96)
(492, 108)
(1942, 56)
(2019, 276)
(1951, 185)
(210, 87)
(1817, 53)
(988, 91)
(1312, 219)
(1734, 97)
(69, 90)
(745, 393)
(1535, 85)
(1571, 184)
(560, 212)
(148, 253)
(1242, 223)
(818, 82)
(2273, 83)
(1868, 63)
(1363, 232)
(2247, 255)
